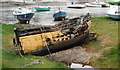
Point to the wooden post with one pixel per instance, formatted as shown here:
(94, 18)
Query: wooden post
(16, 30)
(23, 2)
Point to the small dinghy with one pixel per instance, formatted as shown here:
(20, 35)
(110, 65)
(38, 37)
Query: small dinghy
(24, 15)
(92, 4)
(76, 66)
(59, 15)
(114, 11)
(97, 4)
(42, 8)
(73, 5)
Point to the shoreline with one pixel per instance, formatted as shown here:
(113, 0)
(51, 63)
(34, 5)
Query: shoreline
(8, 7)
(47, 17)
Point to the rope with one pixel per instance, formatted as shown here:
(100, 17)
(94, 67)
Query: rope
(46, 44)
(48, 48)
(23, 56)
(34, 61)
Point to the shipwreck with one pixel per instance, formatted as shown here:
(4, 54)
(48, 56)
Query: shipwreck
(44, 40)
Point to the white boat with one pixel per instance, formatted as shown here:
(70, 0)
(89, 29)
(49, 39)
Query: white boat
(76, 66)
(103, 4)
(23, 14)
(97, 4)
(92, 4)
(74, 5)
(114, 12)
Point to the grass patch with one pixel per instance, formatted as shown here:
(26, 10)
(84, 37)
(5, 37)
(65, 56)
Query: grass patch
(107, 32)
(109, 59)
(105, 46)
(7, 35)
(11, 59)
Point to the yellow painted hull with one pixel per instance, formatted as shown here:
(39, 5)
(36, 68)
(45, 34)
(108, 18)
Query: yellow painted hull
(61, 45)
(33, 42)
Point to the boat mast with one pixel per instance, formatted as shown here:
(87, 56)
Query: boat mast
(97, 1)
(37, 1)
(24, 2)
(72, 2)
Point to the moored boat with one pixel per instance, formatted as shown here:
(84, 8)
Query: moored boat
(81, 66)
(72, 5)
(104, 4)
(92, 4)
(44, 40)
(114, 11)
(97, 3)
(42, 8)
(59, 15)
(24, 15)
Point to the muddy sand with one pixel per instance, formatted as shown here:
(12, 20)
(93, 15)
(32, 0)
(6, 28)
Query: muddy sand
(78, 54)
(46, 18)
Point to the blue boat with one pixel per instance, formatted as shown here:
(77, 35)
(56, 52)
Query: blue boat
(24, 15)
(59, 15)
(42, 8)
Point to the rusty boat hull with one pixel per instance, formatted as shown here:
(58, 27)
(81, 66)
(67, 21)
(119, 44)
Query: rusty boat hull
(62, 45)
(46, 40)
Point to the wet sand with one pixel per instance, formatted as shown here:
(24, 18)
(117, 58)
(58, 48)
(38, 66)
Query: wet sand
(46, 18)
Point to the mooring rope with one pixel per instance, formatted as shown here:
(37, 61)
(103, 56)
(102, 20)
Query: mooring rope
(48, 48)
(46, 45)
(34, 61)
(23, 56)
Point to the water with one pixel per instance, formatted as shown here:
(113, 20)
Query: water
(46, 18)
